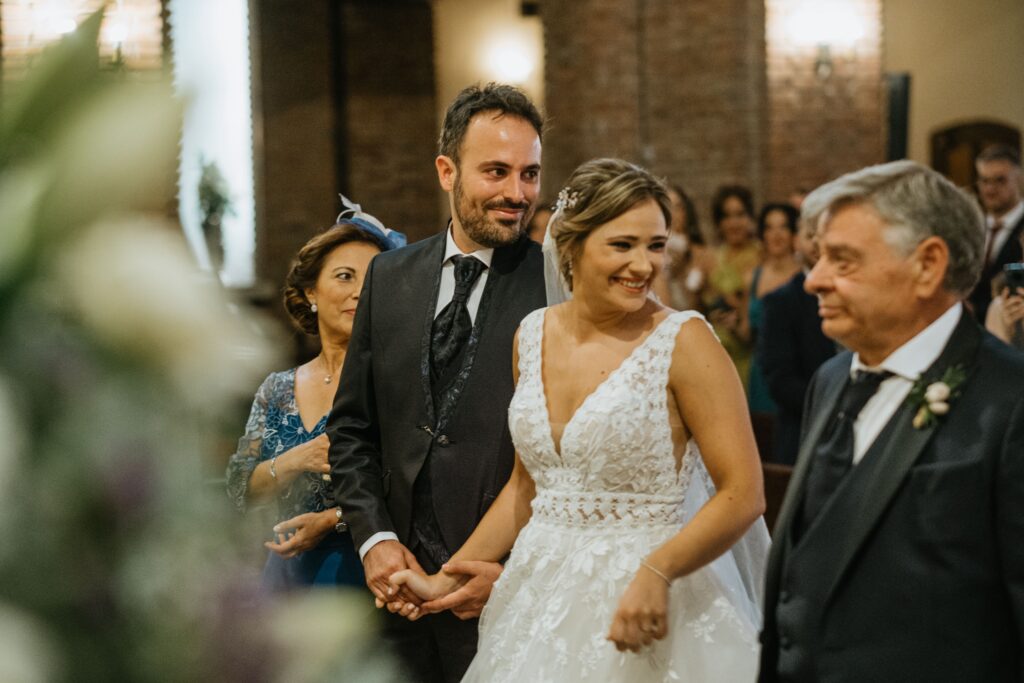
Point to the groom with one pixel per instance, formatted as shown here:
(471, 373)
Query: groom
(420, 445)
(898, 552)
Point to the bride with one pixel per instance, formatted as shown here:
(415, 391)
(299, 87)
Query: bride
(633, 511)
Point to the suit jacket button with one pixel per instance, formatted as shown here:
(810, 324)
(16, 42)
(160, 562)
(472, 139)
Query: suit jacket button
(785, 643)
(784, 596)
(443, 440)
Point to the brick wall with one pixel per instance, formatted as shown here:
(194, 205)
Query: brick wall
(592, 84)
(343, 102)
(706, 98)
(822, 126)
(390, 123)
(294, 119)
(694, 91)
(676, 86)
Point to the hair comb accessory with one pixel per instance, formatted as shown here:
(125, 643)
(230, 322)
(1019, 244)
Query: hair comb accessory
(566, 199)
(353, 213)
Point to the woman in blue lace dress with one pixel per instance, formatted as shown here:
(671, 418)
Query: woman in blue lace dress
(283, 453)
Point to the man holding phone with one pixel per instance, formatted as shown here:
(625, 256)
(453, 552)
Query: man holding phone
(1005, 317)
(999, 189)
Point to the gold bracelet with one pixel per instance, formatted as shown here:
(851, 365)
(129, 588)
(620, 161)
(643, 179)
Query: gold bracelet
(273, 468)
(645, 563)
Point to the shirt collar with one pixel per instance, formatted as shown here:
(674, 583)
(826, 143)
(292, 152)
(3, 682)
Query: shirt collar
(1009, 218)
(452, 249)
(917, 354)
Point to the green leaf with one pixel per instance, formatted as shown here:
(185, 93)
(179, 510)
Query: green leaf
(62, 75)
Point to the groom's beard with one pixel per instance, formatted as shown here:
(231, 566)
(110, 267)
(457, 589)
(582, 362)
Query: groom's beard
(484, 230)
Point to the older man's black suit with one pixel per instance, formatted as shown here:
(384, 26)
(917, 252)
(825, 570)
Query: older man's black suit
(914, 568)
(386, 423)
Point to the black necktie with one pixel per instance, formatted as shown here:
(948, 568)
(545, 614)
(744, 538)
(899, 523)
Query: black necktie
(453, 325)
(833, 456)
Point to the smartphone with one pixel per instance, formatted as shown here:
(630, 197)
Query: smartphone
(1014, 273)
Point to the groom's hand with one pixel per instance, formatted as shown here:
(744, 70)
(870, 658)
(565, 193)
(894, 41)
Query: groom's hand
(379, 563)
(468, 601)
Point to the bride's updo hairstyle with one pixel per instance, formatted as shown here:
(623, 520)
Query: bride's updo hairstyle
(597, 192)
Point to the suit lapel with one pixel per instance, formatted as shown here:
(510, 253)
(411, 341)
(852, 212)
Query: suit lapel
(782, 537)
(824, 410)
(901, 449)
(429, 270)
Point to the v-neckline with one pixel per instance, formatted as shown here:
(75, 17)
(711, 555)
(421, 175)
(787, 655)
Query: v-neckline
(298, 410)
(556, 447)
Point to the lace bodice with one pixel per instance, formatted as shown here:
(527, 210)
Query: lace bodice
(616, 460)
(607, 501)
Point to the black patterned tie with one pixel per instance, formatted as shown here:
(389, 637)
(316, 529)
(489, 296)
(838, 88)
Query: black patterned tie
(833, 456)
(453, 325)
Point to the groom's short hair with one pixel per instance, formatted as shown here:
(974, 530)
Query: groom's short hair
(503, 100)
(916, 203)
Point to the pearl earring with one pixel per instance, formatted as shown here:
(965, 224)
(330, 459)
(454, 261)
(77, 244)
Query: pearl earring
(312, 307)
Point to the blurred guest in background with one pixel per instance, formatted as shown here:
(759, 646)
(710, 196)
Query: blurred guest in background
(539, 222)
(683, 278)
(999, 190)
(797, 196)
(283, 453)
(790, 348)
(776, 228)
(730, 265)
(1005, 318)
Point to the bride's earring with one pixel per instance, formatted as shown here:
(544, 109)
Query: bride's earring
(312, 307)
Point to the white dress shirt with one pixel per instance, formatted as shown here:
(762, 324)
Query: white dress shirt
(906, 364)
(444, 297)
(447, 290)
(1009, 219)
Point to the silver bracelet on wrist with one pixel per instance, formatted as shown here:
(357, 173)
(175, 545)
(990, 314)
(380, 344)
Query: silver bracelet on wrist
(273, 467)
(645, 563)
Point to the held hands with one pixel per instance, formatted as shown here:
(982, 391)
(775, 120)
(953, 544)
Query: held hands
(428, 588)
(302, 533)
(461, 586)
(379, 563)
(641, 617)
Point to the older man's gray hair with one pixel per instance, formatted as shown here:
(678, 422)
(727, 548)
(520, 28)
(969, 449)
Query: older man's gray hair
(916, 203)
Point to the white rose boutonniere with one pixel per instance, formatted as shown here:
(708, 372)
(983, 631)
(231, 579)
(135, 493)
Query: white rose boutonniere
(933, 398)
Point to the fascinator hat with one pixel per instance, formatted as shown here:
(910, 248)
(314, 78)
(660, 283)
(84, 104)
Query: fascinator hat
(353, 214)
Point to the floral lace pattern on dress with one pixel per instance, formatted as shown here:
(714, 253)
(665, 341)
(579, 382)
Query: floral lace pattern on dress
(605, 501)
(274, 426)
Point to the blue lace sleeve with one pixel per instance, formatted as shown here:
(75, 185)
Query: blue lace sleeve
(250, 447)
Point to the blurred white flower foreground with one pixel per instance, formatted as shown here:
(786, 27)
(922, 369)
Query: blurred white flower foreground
(121, 363)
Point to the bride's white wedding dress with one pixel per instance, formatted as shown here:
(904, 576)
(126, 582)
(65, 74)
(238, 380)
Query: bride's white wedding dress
(605, 499)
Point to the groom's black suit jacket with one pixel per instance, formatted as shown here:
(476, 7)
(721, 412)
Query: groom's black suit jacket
(384, 424)
(914, 569)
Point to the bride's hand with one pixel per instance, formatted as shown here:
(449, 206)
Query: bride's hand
(426, 587)
(642, 614)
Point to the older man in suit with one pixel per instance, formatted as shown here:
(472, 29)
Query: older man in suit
(420, 444)
(897, 555)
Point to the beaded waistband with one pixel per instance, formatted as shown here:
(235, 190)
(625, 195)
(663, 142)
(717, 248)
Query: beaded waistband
(606, 508)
